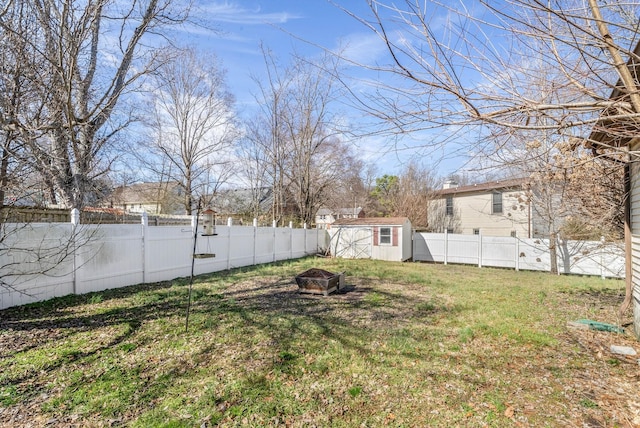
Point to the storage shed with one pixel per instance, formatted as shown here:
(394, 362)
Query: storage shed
(378, 238)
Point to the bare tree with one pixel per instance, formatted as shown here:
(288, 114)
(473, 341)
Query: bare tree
(415, 190)
(459, 68)
(66, 68)
(295, 134)
(77, 76)
(454, 68)
(409, 194)
(252, 170)
(266, 131)
(194, 125)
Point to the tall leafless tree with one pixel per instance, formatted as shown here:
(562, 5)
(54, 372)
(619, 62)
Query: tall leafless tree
(194, 124)
(460, 67)
(83, 59)
(296, 133)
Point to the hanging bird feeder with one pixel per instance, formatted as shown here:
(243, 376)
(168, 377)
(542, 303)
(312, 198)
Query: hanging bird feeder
(209, 222)
(209, 229)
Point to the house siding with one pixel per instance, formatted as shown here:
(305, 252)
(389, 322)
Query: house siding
(635, 236)
(474, 211)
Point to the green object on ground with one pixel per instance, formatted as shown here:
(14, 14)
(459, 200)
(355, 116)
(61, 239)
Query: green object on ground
(601, 326)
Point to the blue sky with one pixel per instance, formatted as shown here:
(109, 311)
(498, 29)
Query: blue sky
(304, 27)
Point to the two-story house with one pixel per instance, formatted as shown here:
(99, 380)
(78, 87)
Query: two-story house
(495, 208)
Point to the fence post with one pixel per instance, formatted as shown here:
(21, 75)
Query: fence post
(479, 249)
(229, 224)
(275, 224)
(446, 246)
(255, 239)
(290, 240)
(144, 220)
(75, 221)
(304, 226)
(517, 246)
(602, 257)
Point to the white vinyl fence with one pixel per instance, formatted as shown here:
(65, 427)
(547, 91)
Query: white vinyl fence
(85, 258)
(574, 257)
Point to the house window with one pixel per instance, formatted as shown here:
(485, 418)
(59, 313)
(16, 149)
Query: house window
(450, 230)
(513, 234)
(449, 205)
(323, 217)
(476, 231)
(385, 236)
(497, 203)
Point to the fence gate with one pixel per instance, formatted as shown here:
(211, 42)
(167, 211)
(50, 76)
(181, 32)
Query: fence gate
(353, 243)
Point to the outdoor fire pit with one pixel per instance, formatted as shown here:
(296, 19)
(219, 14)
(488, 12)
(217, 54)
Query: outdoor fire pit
(319, 281)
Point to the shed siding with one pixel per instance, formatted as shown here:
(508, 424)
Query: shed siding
(344, 243)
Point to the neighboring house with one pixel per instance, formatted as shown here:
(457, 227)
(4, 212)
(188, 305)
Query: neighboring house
(153, 198)
(379, 238)
(326, 217)
(496, 208)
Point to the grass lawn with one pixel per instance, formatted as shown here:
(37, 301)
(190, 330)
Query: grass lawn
(406, 345)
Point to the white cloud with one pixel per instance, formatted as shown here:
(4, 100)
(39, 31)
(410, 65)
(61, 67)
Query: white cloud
(232, 13)
(362, 48)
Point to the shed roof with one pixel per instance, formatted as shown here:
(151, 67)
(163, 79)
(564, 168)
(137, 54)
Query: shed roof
(371, 221)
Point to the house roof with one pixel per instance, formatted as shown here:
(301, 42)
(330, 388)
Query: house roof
(343, 211)
(609, 132)
(142, 192)
(371, 221)
(482, 187)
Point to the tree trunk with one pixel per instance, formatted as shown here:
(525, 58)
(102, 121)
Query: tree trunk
(553, 252)
(4, 171)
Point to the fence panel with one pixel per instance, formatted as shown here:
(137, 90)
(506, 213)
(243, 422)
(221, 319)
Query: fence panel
(462, 249)
(111, 257)
(167, 252)
(265, 245)
(241, 246)
(428, 247)
(298, 241)
(499, 251)
(282, 243)
(35, 247)
(574, 257)
(534, 254)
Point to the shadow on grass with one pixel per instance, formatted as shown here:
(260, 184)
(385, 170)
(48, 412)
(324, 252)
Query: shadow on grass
(271, 306)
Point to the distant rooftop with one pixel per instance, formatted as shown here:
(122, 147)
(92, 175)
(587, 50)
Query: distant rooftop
(489, 185)
(371, 221)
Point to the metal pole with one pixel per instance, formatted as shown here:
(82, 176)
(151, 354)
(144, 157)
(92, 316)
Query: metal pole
(193, 262)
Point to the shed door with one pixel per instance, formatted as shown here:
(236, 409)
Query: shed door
(354, 243)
